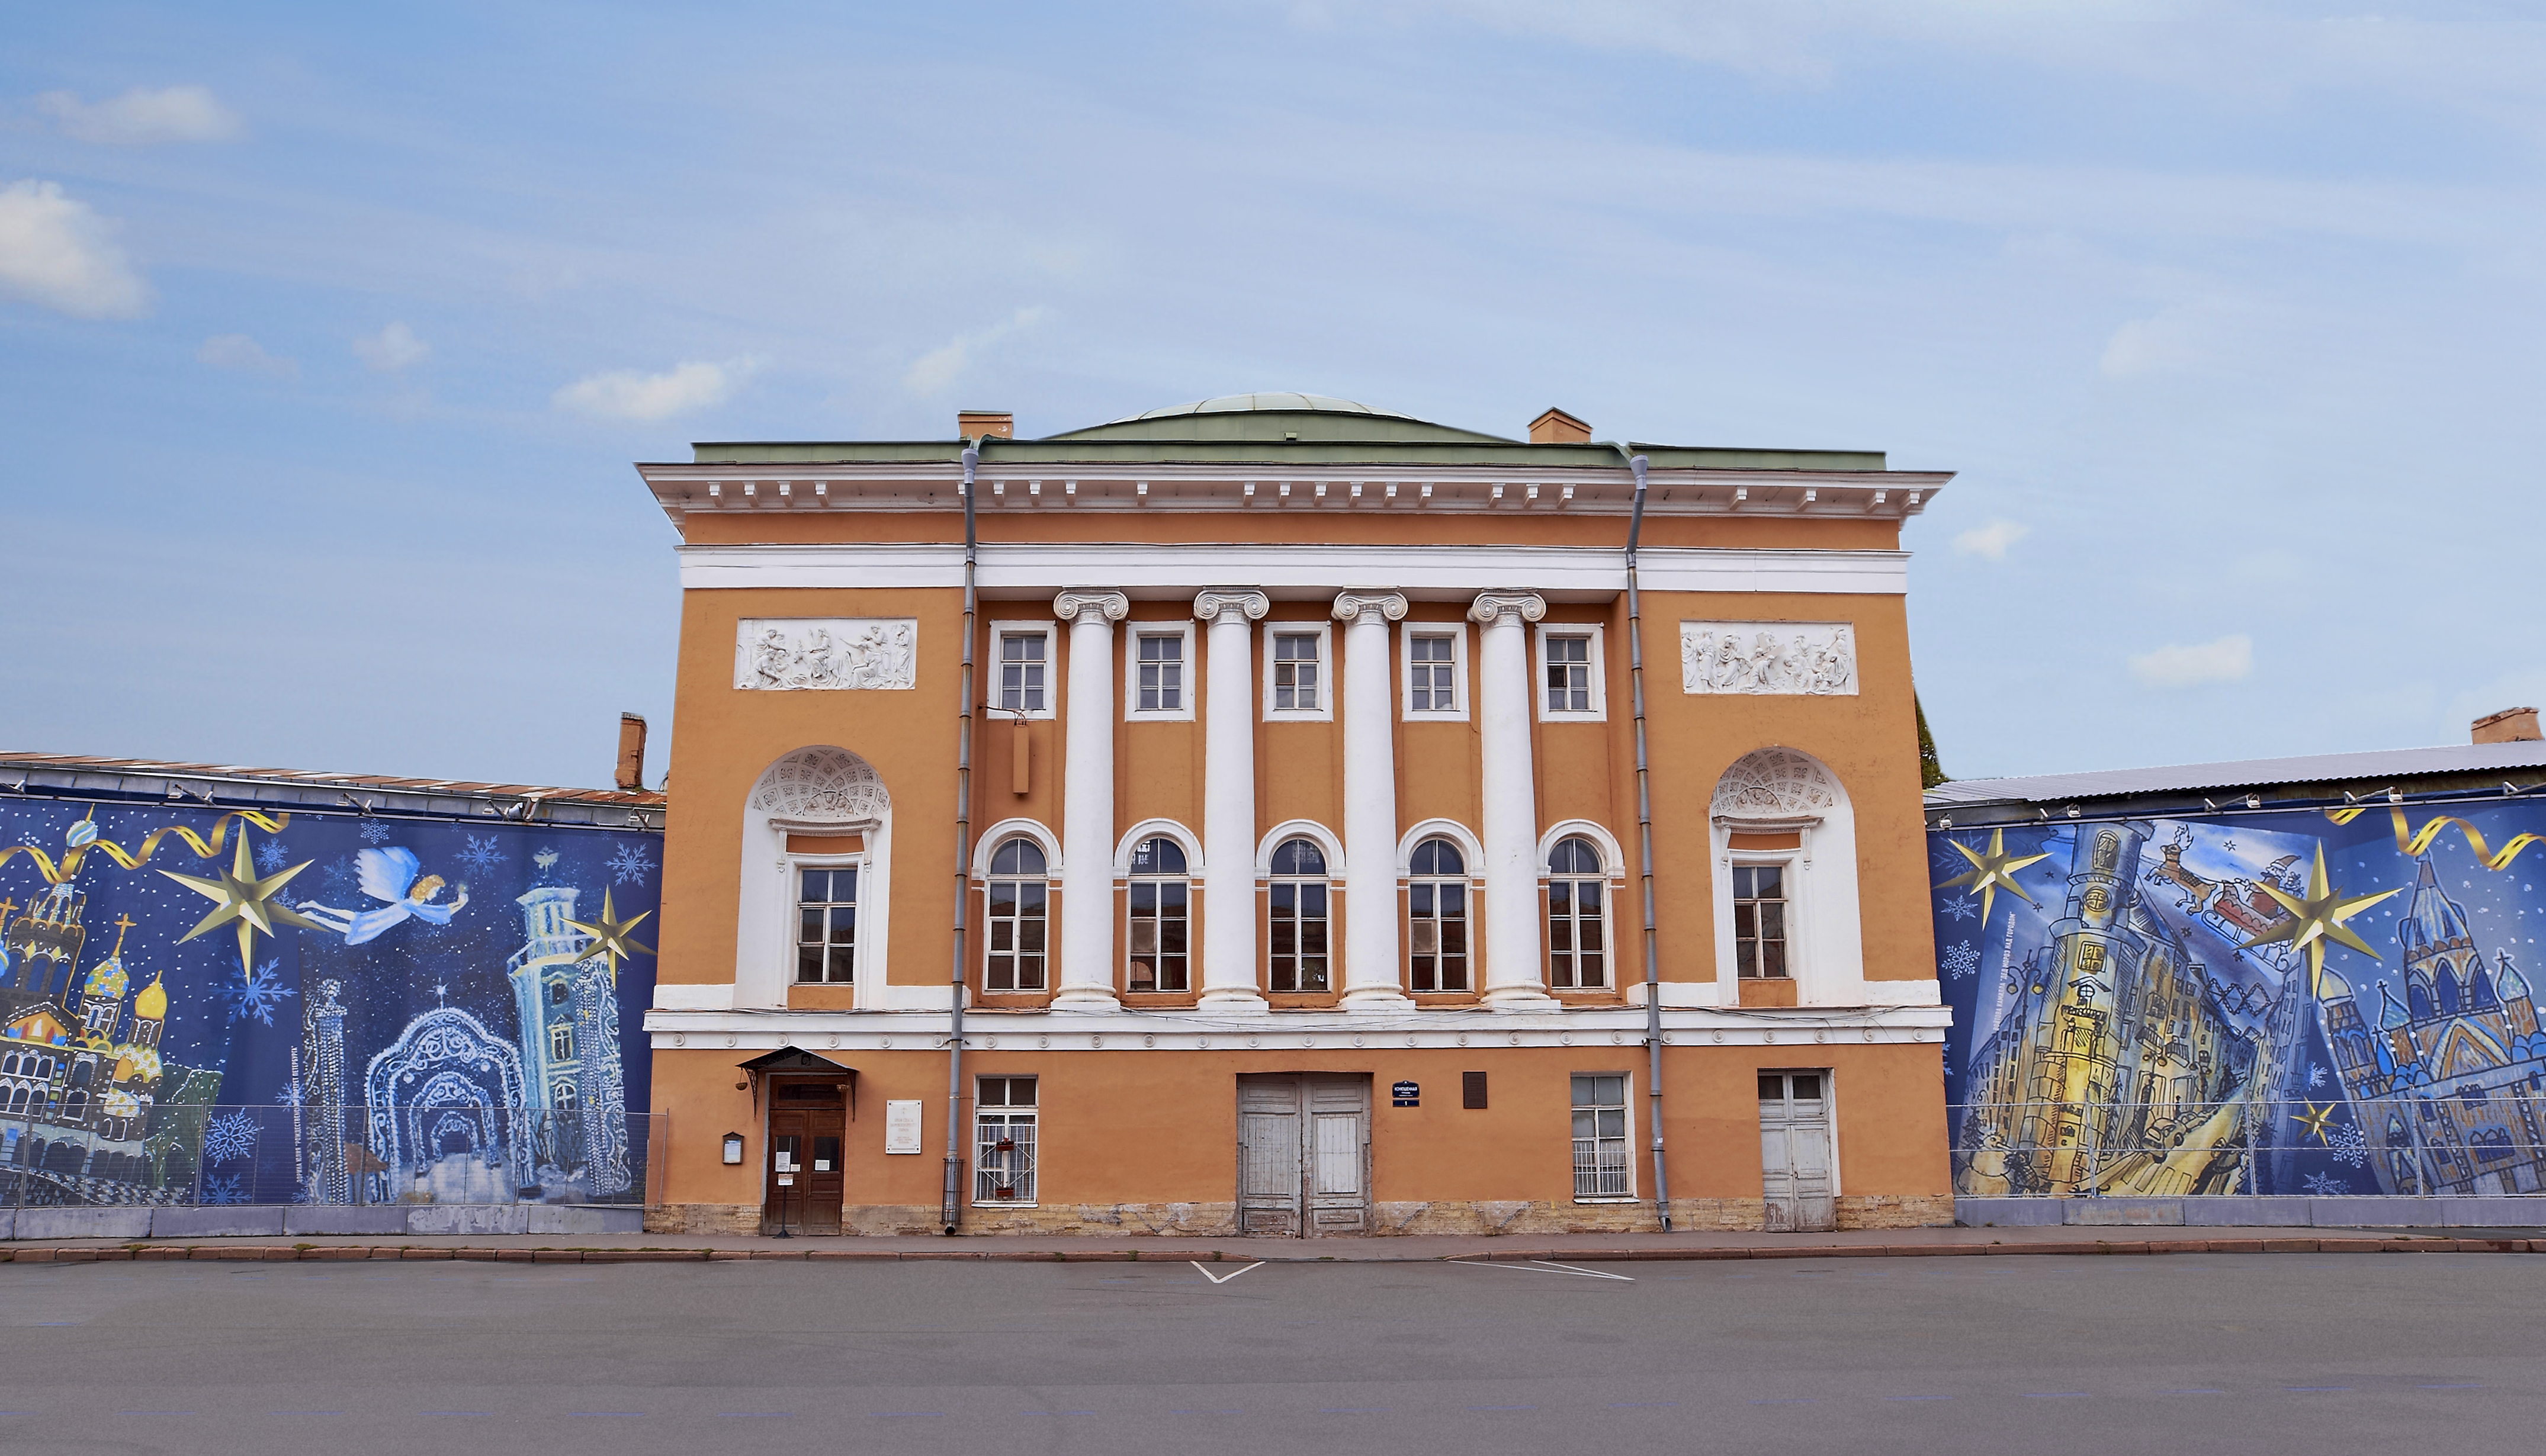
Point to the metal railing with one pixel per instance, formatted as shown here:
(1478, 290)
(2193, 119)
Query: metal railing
(186, 1155)
(2460, 1144)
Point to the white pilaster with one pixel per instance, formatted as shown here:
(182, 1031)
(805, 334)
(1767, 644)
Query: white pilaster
(1373, 976)
(1229, 799)
(1514, 980)
(1088, 802)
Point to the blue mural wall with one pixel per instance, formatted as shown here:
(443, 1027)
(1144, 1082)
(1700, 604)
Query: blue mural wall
(2283, 1003)
(286, 1007)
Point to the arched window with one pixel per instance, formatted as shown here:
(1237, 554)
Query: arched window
(1436, 913)
(561, 1097)
(1019, 918)
(9, 1064)
(1161, 916)
(1298, 916)
(1577, 920)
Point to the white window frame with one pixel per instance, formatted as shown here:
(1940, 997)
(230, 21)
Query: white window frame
(1612, 880)
(1407, 633)
(1011, 1119)
(1323, 631)
(1791, 881)
(1598, 711)
(1132, 632)
(1052, 679)
(1472, 915)
(1332, 883)
(561, 1040)
(986, 855)
(798, 863)
(1626, 1140)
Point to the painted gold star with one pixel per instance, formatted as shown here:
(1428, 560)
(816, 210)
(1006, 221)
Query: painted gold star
(2314, 1119)
(239, 898)
(1991, 872)
(2317, 920)
(613, 937)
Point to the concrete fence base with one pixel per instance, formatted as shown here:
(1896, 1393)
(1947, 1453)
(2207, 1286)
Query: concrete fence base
(2238, 1210)
(273, 1219)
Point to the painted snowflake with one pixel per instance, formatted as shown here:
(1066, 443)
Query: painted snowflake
(2228, 846)
(291, 1095)
(374, 832)
(482, 855)
(1961, 907)
(228, 1139)
(271, 855)
(629, 863)
(223, 1190)
(2315, 1074)
(255, 996)
(2325, 1185)
(1962, 961)
(2348, 1146)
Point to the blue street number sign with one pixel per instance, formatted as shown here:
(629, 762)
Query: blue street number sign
(1406, 1094)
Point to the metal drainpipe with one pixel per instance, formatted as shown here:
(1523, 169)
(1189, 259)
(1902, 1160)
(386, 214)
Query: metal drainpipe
(951, 1208)
(1644, 847)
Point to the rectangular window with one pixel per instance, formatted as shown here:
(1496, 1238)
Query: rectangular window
(1432, 672)
(826, 933)
(1759, 922)
(561, 1043)
(1298, 935)
(1003, 1141)
(1578, 938)
(1162, 673)
(1600, 1136)
(1568, 673)
(1437, 934)
(1294, 672)
(1014, 938)
(1157, 939)
(1022, 665)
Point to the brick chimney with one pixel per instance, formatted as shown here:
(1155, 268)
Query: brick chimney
(632, 751)
(2509, 726)
(1555, 427)
(973, 424)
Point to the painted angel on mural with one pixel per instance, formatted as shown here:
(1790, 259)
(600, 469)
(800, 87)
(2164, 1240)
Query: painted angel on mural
(392, 876)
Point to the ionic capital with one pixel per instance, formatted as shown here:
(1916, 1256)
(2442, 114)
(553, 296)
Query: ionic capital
(1491, 607)
(1092, 606)
(1237, 604)
(1370, 606)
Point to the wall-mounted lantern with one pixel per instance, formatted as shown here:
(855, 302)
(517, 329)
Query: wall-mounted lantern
(733, 1146)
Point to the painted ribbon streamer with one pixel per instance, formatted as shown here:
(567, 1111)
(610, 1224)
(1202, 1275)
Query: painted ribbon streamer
(2411, 842)
(56, 874)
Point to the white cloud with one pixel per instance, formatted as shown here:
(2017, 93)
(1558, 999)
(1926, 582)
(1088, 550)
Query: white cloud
(57, 252)
(1991, 540)
(940, 367)
(392, 349)
(2230, 659)
(246, 355)
(140, 116)
(626, 394)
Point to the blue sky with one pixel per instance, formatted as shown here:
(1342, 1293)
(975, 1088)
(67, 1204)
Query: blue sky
(327, 337)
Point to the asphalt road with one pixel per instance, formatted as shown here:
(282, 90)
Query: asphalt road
(2429, 1353)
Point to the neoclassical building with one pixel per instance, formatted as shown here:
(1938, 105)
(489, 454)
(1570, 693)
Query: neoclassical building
(1279, 815)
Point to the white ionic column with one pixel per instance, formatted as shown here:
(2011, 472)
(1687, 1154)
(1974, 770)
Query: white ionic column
(1373, 978)
(1514, 980)
(1088, 802)
(1229, 799)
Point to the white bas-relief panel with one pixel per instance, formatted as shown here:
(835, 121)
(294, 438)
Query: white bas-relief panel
(1796, 658)
(825, 653)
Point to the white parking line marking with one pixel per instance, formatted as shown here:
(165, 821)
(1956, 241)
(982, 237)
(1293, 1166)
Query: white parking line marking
(1544, 1266)
(1223, 1278)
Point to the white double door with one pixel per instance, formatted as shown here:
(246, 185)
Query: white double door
(1794, 1152)
(1304, 1154)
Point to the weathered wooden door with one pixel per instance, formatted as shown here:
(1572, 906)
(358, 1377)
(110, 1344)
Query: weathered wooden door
(804, 1180)
(1304, 1154)
(1794, 1150)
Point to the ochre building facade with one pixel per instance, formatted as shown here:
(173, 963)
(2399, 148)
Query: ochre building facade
(1278, 825)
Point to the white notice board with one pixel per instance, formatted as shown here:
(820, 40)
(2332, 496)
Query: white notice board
(902, 1126)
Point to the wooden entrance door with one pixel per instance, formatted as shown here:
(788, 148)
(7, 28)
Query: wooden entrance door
(1304, 1154)
(808, 1125)
(1794, 1152)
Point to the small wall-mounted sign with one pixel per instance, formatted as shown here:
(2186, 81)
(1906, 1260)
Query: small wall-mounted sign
(1406, 1094)
(733, 1146)
(902, 1126)
(786, 1180)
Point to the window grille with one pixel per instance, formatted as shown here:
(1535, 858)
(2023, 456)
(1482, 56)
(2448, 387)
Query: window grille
(1021, 669)
(1569, 674)
(1600, 1136)
(1294, 672)
(1018, 918)
(1160, 917)
(1003, 1141)
(827, 936)
(1297, 898)
(1436, 910)
(1759, 922)
(1432, 673)
(1162, 673)
(1578, 930)
(561, 1043)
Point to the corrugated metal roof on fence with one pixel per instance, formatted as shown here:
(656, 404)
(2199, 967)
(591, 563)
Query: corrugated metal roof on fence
(327, 779)
(2252, 773)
